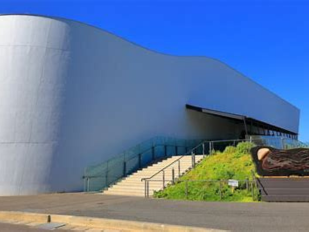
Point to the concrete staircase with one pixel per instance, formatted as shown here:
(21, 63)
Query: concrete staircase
(133, 186)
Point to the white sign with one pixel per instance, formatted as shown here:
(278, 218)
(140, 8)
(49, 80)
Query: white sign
(233, 183)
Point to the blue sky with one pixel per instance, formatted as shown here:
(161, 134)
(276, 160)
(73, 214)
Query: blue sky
(267, 41)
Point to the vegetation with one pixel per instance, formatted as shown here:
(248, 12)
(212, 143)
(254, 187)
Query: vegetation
(232, 163)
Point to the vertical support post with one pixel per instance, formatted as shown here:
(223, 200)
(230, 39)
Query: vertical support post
(245, 124)
(220, 188)
(252, 187)
(247, 184)
(283, 143)
(257, 191)
(106, 175)
(163, 179)
(85, 180)
(87, 184)
(252, 190)
(255, 186)
(106, 179)
(153, 153)
(139, 160)
(145, 188)
(193, 159)
(203, 149)
(210, 148)
(124, 168)
(173, 176)
(178, 168)
(186, 189)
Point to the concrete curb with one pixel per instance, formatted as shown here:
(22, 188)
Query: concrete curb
(21, 216)
(9, 216)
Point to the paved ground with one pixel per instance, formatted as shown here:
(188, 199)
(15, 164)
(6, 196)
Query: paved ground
(5, 227)
(10, 228)
(218, 215)
(17, 227)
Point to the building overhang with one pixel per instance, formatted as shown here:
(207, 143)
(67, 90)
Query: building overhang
(248, 121)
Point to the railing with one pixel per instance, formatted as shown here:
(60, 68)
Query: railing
(194, 151)
(220, 145)
(101, 176)
(206, 188)
(276, 142)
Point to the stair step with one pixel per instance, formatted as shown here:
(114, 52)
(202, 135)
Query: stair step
(127, 191)
(126, 194)
(168, 168)
(146, 173)
(158, 177)
(137, 185)
(134, 191)
(127, 188)
(133, 186)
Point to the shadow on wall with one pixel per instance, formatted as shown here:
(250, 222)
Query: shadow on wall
(212, 127)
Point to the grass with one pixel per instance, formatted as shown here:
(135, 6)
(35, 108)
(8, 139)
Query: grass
(232, 163)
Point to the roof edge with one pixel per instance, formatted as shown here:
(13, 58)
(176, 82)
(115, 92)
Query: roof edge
(154, 51)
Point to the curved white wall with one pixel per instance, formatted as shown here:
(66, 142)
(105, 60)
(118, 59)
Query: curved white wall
(72, 95)
(34, 59)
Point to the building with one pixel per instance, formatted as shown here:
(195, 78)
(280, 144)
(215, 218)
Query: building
(72, 95)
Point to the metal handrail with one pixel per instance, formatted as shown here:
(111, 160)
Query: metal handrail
(190, 152)
(102, 171)
(158, 145)
(246, 140)
(141, 153)
(229, 140)
(148, 179)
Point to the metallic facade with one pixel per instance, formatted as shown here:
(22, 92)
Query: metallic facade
(72, 95)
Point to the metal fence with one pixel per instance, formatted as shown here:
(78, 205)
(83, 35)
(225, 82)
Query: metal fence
(101, 176)
(214, 146)
(276, 142)
(215, 190)
(98, 177)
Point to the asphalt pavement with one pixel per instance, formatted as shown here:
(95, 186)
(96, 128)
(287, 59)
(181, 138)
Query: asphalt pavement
(217, 215)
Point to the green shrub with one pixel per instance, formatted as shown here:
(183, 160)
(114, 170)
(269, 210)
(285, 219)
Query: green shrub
(230, 149)
(233, 163)
(244, 147)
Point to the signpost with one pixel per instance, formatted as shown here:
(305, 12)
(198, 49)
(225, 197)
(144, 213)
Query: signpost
(233, 184)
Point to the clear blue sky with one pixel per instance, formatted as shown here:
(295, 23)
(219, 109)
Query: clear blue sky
(267, 41)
